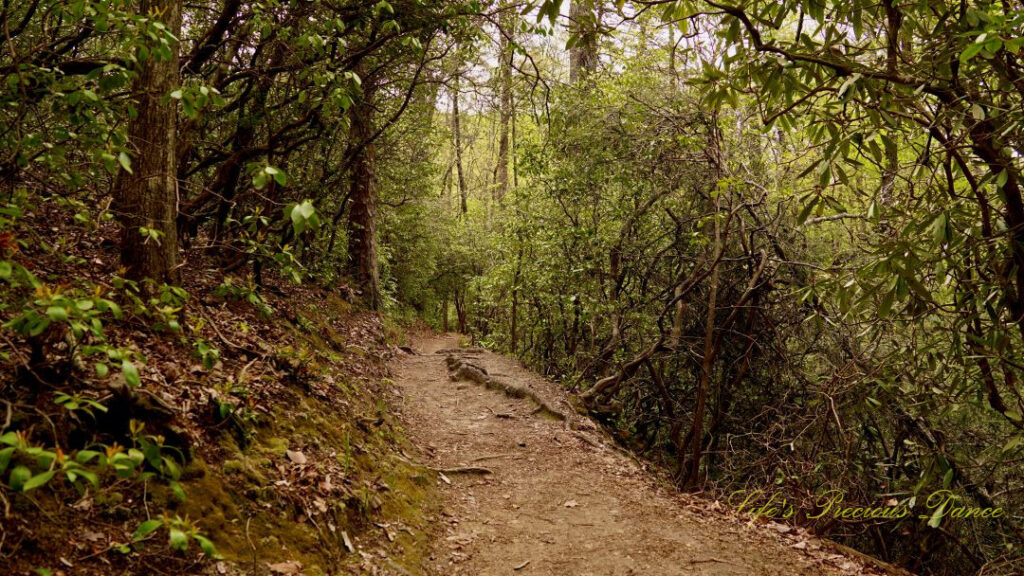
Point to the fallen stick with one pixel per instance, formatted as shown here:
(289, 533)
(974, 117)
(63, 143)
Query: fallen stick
(461, 470)
(455, 470)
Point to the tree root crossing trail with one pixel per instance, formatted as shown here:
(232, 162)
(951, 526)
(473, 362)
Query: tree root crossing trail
(528, 492)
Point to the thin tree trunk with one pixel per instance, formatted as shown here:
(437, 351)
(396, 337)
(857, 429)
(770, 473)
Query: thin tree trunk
(460, 309)
(147, 198)
(672, 57)
(444, 314)
(505, 81)
(706, 366)
(362, 215)
(457, 134)
(514, 329)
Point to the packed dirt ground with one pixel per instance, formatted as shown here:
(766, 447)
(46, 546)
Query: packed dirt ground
(528, 493)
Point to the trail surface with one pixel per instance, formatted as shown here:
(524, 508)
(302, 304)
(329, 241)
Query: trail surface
(560, 499)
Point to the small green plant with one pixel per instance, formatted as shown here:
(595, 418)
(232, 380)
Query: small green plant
(231, 404)
(150, 235)
(180, 532)
(345, 459)
(76, 318)
(255, 227)
(247, 291)
(206, 352)
(163, 307)
(163, 460)
(36, 466)
(75, 402)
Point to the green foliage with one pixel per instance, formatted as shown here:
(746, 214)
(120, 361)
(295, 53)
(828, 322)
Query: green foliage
(180, 533)
(246, 292)
(32, 466)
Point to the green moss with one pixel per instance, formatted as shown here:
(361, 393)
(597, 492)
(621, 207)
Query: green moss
(272, 445)
(238, 504)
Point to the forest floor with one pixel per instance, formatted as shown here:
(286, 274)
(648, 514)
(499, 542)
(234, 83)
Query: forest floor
(529, 494)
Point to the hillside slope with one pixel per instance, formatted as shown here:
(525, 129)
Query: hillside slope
(139, 433)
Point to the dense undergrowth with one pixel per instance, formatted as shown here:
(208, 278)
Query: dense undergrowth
(203, 428)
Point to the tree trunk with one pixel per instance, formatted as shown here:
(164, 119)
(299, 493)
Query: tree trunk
(583, 20)
(707, 364)
(147, 198)
(444, 314)
(505, 112)
(514, 328)
(362, 215)
(460, 309)
(457, 134)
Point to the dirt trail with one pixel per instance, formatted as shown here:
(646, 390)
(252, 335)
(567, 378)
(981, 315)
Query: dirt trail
(561, 501)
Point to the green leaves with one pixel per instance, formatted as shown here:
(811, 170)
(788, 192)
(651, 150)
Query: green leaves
(131, 373)
(5, 458)
(145, 529)
(57, 313)
(206, 546)
(970, 52)
(196, 98)
(263, 176)
(303, 217)
(20, 475)
(1013, 444)
(125, 162)
(177, 540)
(942, 232)
(38, 480)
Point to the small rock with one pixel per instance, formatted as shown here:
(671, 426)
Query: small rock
(296, 456)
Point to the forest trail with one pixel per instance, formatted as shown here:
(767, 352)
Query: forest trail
(560, 500)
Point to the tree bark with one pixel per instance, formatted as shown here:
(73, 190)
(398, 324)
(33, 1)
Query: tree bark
(362, 215)
(444, 314)
(147, 198)
(583, 24)
(457, 135)
(707, 364)
(505, 112)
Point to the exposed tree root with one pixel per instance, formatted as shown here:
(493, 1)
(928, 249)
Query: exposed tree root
(462, 370)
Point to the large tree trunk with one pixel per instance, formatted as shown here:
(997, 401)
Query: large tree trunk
(147, 198)
(362, 215)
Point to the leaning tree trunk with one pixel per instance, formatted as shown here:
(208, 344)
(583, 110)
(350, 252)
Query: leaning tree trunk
(147, 196)
(362, 215)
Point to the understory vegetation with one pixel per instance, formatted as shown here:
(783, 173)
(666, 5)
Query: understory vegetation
(771, 246)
